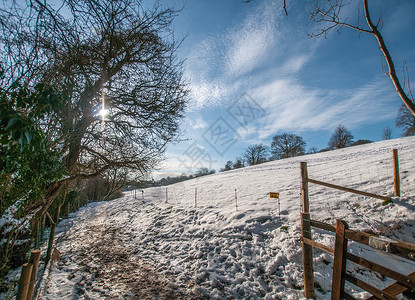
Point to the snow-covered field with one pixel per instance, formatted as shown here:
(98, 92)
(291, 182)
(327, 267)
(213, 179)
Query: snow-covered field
(146, 248)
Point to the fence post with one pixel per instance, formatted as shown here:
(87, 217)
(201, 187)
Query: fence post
(307, 257)
(196, 197)
(236, 201)
(304, 187)
(306, 233)
(34, 260)
(396, 177)
(24, 281)
(339, 264)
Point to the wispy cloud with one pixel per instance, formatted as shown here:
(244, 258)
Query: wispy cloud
(250, 45)
(294, 107)
(205, 92)
(218, 66)
(196, 121)
(295, 63)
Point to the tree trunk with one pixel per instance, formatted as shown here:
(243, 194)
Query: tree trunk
(52, 235)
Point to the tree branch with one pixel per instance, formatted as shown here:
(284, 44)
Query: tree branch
(331, 15)
(392, 73)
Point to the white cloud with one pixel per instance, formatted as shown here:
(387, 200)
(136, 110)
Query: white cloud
(188, 158)
(246, 132)
(293, 107)
(295, 64)
(205, 93)
(218, 66)
(196, 121)
(250, 45)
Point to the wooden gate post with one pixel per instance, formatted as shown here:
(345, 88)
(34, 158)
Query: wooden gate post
(339, 264)
(308, 268)
(24, 281)
(306, 233)
(396, 177)
(34, 260)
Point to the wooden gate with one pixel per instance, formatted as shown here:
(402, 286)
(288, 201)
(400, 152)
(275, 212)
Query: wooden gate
(341, 256)
(342, 235)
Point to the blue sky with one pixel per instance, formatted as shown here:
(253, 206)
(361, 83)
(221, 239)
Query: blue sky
(253, 73)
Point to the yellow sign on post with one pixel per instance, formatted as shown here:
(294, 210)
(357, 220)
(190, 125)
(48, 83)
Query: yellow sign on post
(274, 195)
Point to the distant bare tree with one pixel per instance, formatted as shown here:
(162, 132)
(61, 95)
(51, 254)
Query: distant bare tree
(239, 163)
(312, 150)
(284, 5)
(256, 154)
(341, 138)
(406, 120)
(287, 145)
(204, 171)
(228, 166)
(387, 133)
(361, 142)
(329, 14)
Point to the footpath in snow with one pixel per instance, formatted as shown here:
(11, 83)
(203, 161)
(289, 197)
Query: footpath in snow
(146, 248)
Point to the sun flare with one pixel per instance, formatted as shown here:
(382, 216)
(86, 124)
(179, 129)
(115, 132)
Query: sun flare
(103, 113)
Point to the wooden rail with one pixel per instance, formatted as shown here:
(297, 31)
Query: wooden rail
(338, 187)
(398, 248)
(305, 180)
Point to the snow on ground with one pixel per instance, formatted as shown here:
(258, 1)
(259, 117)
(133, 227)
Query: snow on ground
(146, 248)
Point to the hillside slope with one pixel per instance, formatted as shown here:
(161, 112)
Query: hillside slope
(144, 248)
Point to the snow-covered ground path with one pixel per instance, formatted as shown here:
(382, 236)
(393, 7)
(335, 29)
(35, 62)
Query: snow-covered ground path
(146, 248)
(98, 263)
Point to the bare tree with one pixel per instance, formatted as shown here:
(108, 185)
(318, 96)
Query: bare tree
(361, 142)
(228, 166)
(204, 171)
(113, 56)
(387, 133)
(239, 163)
(284, 5)
(287, 145)
(341, 138)
(406, 120)
(312, 150)
(256, 154)
(328, 16)
(116, 179)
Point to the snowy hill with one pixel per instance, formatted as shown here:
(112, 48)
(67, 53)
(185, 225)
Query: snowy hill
(144, 248)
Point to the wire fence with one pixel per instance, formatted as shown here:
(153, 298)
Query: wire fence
(376, 175)
(373, 174)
